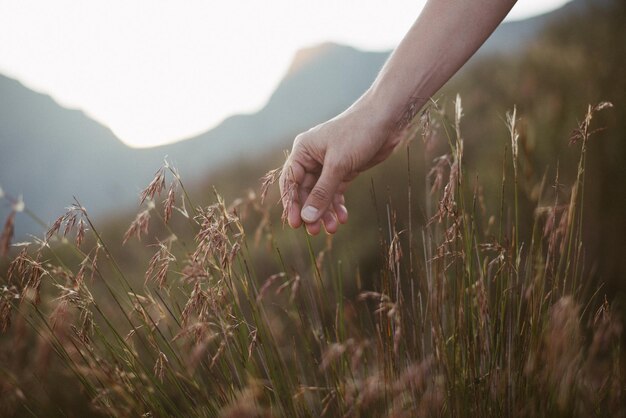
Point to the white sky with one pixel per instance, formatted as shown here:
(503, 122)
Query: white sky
(156, 71)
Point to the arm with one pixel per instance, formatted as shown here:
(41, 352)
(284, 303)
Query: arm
(326, 158)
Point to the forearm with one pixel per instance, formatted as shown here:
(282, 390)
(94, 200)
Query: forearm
(326, 158)
(445, 35)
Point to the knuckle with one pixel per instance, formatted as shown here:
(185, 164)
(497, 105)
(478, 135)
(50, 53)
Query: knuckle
(320, 193)
(297, 142)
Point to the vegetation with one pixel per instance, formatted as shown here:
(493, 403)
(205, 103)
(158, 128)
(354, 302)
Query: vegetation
(464, 318)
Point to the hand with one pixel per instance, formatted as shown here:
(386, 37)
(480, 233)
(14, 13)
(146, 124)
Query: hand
(323, 162)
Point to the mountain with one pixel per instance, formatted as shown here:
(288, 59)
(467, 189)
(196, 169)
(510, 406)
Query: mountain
(512, 37)
(321, 82)
(50, 153)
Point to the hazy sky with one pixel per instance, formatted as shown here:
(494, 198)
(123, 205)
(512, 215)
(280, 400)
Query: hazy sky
(156, 71)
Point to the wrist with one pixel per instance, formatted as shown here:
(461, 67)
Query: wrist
(387, 110)
(375, 111)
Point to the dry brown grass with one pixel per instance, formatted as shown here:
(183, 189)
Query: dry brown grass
(466, 319)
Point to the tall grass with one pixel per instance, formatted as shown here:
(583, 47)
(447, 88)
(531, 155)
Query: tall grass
(467, 316)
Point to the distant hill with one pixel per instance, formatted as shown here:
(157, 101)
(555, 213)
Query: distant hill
(511, 37)
(49, 153)
(322, 81)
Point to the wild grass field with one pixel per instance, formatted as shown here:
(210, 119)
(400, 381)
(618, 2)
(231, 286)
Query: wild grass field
(464, 316)
(480, 274)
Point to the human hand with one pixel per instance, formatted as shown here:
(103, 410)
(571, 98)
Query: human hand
(323, 162)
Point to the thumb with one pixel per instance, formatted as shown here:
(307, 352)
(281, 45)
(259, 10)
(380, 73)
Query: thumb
(322, 194)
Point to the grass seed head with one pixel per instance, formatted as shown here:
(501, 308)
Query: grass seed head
(74, 219)
(6, 310)
(138, 227)
(7, 234)
(267, 180)
(159, 265)
(168, 203)
(155, 187)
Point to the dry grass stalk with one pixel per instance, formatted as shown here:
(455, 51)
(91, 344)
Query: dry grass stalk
(138, 227)
(489, 331)
(32, 273)
(168, 203)
(290, 195)
(447, 203)
(7, 234)
(198, 304)
(8, 296)
(160, 365)
(267, 180)
(437, 172)
(458, 115)
(159, 265)
(155, 187)
(74, 219)
(18, 266)
(214, 236)
(511, 121)
(268, 283)
(194, 272)
(429, 126)
(582, 132)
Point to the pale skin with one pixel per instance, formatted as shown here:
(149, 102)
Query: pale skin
(326, 158)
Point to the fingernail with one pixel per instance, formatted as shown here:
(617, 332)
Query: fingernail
(309, 214)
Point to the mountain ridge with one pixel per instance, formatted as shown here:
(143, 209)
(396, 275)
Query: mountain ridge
(50, 153)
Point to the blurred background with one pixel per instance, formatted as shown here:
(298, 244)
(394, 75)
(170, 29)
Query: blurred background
(93, 98)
